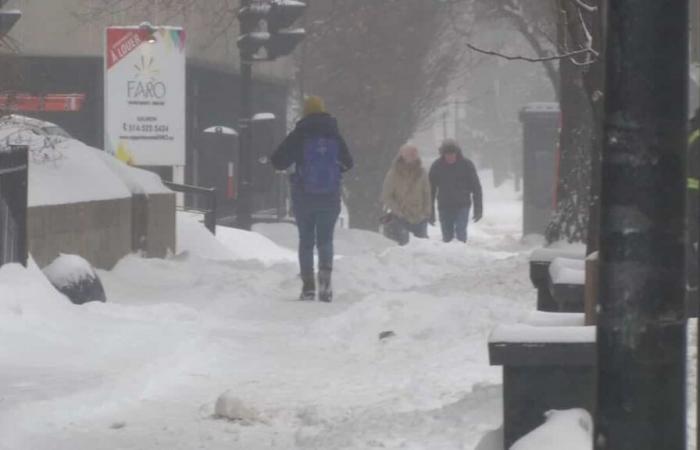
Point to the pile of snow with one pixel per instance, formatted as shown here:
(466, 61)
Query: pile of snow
(229, 243)
(194, 238)
(230, 407)
(570, 430)
(247, 245)
(26, 294)
(68, 270)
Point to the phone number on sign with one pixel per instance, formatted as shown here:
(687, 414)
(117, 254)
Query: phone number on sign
(145, 128)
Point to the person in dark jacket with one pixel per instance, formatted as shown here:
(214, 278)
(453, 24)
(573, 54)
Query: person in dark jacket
(316, 190)
(455, 183)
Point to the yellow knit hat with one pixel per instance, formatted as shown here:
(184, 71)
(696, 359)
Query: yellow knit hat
(313, 105)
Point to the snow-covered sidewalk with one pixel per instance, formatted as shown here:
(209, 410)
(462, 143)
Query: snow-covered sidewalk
(144, 370)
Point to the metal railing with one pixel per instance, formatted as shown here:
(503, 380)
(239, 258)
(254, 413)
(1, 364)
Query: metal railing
(208, 193)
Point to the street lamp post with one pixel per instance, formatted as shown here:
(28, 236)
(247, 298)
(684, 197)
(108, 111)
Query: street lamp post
(277, 40)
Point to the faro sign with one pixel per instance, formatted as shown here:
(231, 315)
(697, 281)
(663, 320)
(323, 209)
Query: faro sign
(145, 95)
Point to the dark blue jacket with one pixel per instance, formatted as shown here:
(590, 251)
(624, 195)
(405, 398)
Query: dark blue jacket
(291, 151)
(455, 185)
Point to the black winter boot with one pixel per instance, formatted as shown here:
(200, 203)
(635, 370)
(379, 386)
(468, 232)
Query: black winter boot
(325, 291)
(308, 289)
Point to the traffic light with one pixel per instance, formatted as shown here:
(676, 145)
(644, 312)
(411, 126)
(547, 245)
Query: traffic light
(8, 19)
(277, 37)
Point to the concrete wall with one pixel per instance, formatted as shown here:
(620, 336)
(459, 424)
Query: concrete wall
(102, 231)
(98, 231)
(153, 221)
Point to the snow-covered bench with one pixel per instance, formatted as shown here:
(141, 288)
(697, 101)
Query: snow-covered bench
(567, 279)
(540, 260)
(548, 363)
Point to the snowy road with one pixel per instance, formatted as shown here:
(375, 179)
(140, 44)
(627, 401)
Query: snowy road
(144, 370)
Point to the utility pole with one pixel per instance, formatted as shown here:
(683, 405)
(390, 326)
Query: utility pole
(277, 40)
(641, 323)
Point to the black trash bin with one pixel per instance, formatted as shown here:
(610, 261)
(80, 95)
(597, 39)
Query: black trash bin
(540, 137)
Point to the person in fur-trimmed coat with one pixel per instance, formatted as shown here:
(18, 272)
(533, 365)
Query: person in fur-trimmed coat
(406, 194)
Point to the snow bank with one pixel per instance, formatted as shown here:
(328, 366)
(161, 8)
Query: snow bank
(228, 244)
(26, 292)
(194, 238)
(570, 430)
(247, 245)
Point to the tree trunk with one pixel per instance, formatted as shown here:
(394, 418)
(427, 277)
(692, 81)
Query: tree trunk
(570, 221)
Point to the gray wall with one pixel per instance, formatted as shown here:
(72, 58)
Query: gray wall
(102, 231)
(153, 219)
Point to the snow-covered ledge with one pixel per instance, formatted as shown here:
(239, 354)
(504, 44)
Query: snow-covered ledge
(548, 362)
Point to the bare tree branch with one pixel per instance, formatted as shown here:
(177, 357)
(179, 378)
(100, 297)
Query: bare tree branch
(587, 50)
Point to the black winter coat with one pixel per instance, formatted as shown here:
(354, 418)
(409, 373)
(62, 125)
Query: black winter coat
(291, 151)
(456, 185)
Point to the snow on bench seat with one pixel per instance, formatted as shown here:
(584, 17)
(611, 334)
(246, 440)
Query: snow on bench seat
(554, 319)
(567, 271)
(558, 250)
(529, 334)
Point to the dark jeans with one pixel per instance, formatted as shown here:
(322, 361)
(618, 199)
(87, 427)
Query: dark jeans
(419, 230)
(316, 227)
(453, 222)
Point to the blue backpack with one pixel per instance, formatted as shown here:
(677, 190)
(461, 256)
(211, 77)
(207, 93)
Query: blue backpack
(320, 173)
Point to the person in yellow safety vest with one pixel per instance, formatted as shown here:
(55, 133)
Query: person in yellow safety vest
(693, 211)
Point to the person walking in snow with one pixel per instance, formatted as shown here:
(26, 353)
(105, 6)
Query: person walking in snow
(320, 156)
(455, 184)
(406, 194)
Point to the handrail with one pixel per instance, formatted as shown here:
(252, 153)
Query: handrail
(209, 193)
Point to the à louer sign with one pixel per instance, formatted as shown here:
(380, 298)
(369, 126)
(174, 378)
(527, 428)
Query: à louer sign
(145, 95)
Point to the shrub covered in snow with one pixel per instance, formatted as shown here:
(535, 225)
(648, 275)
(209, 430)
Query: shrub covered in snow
(74, 277)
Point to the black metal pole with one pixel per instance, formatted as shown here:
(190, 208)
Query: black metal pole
(244, 213)
(641, 324)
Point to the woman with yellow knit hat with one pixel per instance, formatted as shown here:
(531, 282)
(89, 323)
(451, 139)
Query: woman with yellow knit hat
(320, 155)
